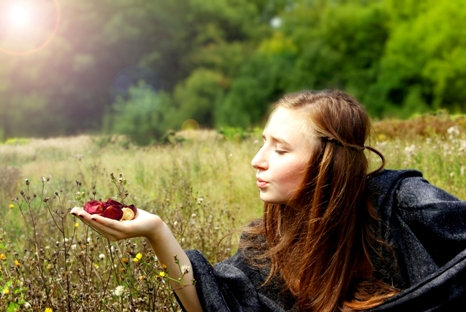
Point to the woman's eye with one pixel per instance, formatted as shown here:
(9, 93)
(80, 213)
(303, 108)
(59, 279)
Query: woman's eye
(280, 152)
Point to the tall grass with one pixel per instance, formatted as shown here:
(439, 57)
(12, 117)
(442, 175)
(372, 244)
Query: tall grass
(202, 185)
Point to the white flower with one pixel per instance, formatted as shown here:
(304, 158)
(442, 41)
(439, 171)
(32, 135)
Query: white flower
(185, 269)
(73, 247)
(200, 200)
(27, 305)
(119, 290)
(410, 150)
(101, 256)
(462, 146)
(453, 131)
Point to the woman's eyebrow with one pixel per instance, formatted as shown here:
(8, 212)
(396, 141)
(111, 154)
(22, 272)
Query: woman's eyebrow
(277, 140)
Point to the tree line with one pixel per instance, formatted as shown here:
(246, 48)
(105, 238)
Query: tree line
(142, 67)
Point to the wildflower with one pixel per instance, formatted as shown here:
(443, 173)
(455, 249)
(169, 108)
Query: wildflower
(17, 263)
(124, 260)
(382, 137)
(453, 131)
(135, 260)
(73, 247)
(27, 305)
(139, 256)
(462, 146)
(6, 291)
(2, 257)
(185, 269)
(11, 206)
(119, 290)
(200, 200)
(96, 265)
(162, 274)
(101, 256)
(76, 224)
(142, 277)
(410, 150)
(48, 310)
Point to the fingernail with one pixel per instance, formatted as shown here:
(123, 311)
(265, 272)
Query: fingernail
(74, 214)
(81, 216)
(93, 219)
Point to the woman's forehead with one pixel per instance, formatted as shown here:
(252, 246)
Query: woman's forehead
(285, 124)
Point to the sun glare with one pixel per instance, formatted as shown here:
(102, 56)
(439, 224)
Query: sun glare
(20, 14)
(27, 25)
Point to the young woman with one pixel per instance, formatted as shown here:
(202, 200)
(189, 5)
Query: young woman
(333, 237)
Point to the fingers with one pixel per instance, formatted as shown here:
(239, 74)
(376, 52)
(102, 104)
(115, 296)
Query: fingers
(104, 226)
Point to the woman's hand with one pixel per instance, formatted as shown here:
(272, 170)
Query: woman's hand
(162, 242)
(144, 224)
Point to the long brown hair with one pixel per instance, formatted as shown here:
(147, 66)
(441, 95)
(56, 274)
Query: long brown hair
(321, 246)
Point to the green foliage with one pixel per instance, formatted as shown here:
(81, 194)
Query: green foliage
(142, 116)
(422, 59)
(17, 141)
(223, 62)
(197, 96)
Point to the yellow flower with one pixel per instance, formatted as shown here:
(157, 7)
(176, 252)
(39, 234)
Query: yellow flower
(2, 257)
(96, 265)
(17, 263)
(162, 274)
(11, 206)
(139, 256)
(142, 277)
(76, 224)
(124, 260)
(135, 260)
(48, 310)
(6, 291)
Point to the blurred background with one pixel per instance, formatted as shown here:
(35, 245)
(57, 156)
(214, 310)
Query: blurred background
(143, 67)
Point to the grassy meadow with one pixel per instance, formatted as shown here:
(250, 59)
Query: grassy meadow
(201, 184)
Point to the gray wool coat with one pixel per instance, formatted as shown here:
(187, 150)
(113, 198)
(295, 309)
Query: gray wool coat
(425, 225)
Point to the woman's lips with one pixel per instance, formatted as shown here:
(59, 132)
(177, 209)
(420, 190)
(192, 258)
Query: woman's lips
(261, 183)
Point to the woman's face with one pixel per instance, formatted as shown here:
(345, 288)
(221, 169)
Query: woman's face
(282, 161)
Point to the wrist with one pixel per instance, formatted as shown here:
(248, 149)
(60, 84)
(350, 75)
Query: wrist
(158, 231)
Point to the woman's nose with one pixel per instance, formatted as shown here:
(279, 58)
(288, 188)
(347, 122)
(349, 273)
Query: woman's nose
(259, 162)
